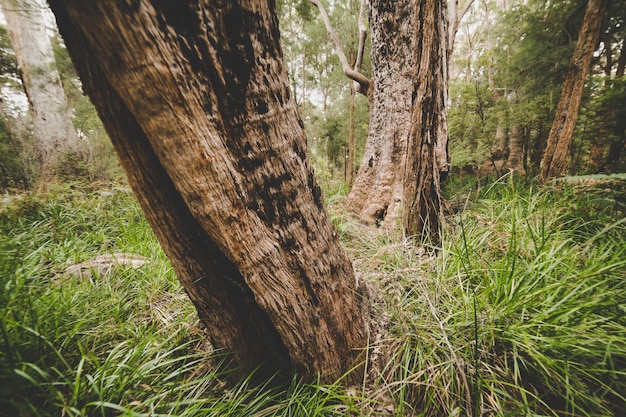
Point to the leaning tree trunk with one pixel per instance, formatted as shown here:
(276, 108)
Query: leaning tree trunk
(423, 208)
(556, 157)
(196, 99)
(53, 132)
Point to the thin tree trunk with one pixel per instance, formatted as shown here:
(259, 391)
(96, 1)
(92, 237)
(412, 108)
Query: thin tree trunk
(352, 73)
(537, 147)
(556, 157)
(455, 17)
(196, 99)
(423, 214)
(53, 132)
(515, 160)
(499, 147)
(616, 146)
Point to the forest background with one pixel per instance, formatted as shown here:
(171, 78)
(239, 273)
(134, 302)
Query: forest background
(507, 72)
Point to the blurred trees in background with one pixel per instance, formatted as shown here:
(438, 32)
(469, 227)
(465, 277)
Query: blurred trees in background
(507, 71)
(321, 89)
(49, 132)
(53, 135)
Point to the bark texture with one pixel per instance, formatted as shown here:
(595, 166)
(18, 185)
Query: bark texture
(378, 190)
(423, 215)
(195, 97)
(53, 131)
(376, 195)
(556, 157)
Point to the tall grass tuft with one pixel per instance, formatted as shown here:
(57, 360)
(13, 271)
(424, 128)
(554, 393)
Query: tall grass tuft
(526, 311)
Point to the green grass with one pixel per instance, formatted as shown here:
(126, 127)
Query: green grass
(521, 312)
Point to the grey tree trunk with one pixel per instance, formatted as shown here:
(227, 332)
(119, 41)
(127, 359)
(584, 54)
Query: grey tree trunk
(515, 160)
(53, 132)
(196, 99)
(378, 190)
(376, 195)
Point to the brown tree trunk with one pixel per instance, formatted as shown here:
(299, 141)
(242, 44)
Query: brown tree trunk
(53, 131)
(195, 97)
(556, 157)
(377, 193)
(422, 212)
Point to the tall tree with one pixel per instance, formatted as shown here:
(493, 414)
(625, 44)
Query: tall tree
(376, 195)
(556, 157)
(53, 132)
(196, 99)
(422, 215)
(378, 190)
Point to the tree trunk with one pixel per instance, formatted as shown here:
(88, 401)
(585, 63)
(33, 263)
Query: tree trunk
(515, 160)
(422, 213)
(616, 146)
(195, 97)
(377, 191)
(351, 139)
(53, 132)
(556, 157)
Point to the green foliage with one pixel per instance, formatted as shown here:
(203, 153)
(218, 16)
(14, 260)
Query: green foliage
(8, 63)
(542, 273)
(329, 134)
(96, 160)
(318, 83)
(512, 63)
(521, 312)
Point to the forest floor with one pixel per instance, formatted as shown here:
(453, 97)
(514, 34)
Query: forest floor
(521, 312)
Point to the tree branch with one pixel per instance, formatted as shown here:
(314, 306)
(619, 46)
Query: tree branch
(353, 74)
(362, 37)
(455, 19)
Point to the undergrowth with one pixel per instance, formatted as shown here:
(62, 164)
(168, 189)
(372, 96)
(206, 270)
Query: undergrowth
(520, 312)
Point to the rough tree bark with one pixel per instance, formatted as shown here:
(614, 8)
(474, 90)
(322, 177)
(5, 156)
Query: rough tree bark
(556, 157)
(423, 214)
(195, 97)
(53, 132)
(376, 195)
